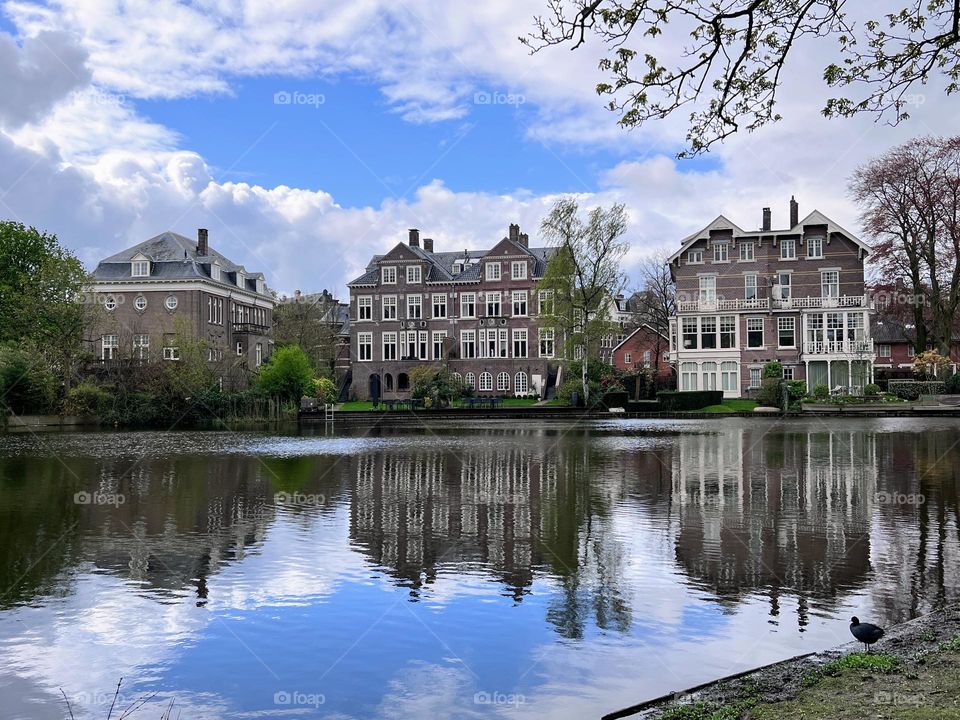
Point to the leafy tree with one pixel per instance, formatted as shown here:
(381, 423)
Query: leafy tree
(931, 365)
(325, 390)
(910, 200)
(436, 386)
(28, 384)
(734, 53)
(583, 274)
(287, 374)
(310, 321)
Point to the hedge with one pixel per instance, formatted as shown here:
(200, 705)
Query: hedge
(691, 400)
(913, 389)
(616, 399)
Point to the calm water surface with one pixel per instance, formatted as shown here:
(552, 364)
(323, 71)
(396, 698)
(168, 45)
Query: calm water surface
(539, 571)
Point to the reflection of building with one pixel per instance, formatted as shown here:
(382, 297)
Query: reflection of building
(775, 511)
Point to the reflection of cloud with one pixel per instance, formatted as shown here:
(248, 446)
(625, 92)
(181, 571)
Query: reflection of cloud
(426, 690)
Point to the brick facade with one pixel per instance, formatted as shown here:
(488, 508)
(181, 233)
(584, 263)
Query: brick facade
(642, 350)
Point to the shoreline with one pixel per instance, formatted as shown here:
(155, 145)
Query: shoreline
(923, 652)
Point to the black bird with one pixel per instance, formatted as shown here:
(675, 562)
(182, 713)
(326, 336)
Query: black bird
(866, 633)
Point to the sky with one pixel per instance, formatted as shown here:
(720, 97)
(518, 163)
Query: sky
(309, 136)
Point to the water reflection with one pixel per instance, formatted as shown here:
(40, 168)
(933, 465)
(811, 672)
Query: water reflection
(223, 577)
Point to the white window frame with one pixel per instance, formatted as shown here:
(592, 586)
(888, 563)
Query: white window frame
(520, 303)
(468, 344)
(747, 251)
(721, 252)
(365, 308)
(439, 301)
(414, 307)
(141, 347)
(756, 375)
(815, 242)
(492, 271)
(471, 300)
(486, 382)
(109, 347)
(547, 337)
(518, 270)
(883, 350)
(695, 257)
(384, 305)
(754, 321)
(140, 268)
(438, 337)
(790, 243)
(493, 300)
(521, 384)
(785, 324)
(824, 284)
(503, 382)
(388, 275)
(750, 283)
(414, 274)
(389, 347)
(545, 302)
(521, 348)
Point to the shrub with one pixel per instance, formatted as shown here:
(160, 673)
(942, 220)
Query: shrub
(773, 370)
(952, 385)
(288, 374)
(437, 387)
(690, 400)
(616, 399)
(821, 392)
(325, 390)
(913, 389)
(87, 399)
(573, 385)
(796, 389)
(871, 390)
(770, 393)
(27, 383)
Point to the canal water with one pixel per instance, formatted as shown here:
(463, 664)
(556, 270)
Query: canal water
(516, 570)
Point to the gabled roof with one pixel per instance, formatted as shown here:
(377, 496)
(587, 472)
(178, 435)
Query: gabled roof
(649, 327)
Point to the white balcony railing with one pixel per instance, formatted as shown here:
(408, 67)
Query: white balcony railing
(798, 303)
(858, 348)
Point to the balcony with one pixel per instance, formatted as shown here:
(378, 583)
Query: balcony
(755, 304)
(249, 329)
(802, 303)
(858, 349)
(722, 304)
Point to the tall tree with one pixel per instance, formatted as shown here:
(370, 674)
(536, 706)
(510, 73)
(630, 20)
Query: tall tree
(310, 322)
(655, 302)
(582, 276)
(910, 200)
(733, 54)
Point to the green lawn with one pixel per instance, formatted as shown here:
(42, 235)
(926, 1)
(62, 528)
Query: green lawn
(355, 406)
(730, 405)
(366, 406)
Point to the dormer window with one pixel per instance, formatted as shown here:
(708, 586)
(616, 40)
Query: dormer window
(140, 268)
(413, 274)
(240, 280)
(215, 272)
(260, 285)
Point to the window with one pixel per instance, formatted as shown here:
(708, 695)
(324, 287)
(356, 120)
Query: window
(215, 272)
(493, 271)
(688, 376)
(754, 332)
(545, 302)
(754, 377)
(140, 303)
(171, 352)
(746, 251)
(365, 308)
(834, 327)
(140, 268)
(855, 326)
(518, 270)
(519, 342)
(883, 351)
(709, 375)
(627, 358)
(721, 253)
(259, 354)
(389, 346)
(502, 341)
(110, 303)
(422, 343)
(503, 382)
(788, 373)
(493, 304)
(440, 305)
(728, 332)
(439, 336)
(388, 307)
(546, 342)
(388, 275)
(520, 384)
(785, 285)
(708, 335)
(468, 305)
(788, 249)
(689, 329)
(695, 257)
(647, 355)
(470, 380)
(408, 345)
(830, 283)
(729, 381)
(109, 345)
(414, 307)
(750, 286)
(141, 347)
(468, 344)
(786, 332)
(215, 310)
(486, 382)
(240, 347)
(708, 288)
(488, 343)
(815, 247)
(171, 302)
(519, 303)
(413, 274)
(458, 378)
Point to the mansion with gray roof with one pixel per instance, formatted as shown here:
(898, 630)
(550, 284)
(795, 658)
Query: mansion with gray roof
(475, 311)
(171, 286)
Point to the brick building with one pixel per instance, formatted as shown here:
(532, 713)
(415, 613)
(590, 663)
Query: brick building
(170, 286)
(894, 344)
(794, 295)
(644, 350)
(473, 310)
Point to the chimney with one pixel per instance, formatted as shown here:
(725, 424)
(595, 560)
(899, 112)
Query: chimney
(414, 237)
(514, 232)
(202, 248)
(794, 212)
(524, 240)
(428, 244)
(766, 220)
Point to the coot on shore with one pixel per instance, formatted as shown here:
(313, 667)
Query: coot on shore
(866, 633)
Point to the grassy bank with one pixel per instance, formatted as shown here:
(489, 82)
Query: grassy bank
(913, 673)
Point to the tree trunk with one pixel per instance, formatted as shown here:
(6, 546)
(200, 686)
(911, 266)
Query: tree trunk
(583, 378)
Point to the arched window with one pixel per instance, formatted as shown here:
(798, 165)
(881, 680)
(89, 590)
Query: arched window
(471, 380)
(458, 377)
(486, 382)
(388, 382)
(403, 382)
(503, 382)
(520, 384)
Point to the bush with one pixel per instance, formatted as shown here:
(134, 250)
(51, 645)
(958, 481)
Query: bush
(821, 392)
(770, 393)
(618, 399)
(773, 370)
(913, 389)
(325, 390)
(437, 387)
(673, 400)
(87, 399)
(952, 385)
(796, 389)
(569, 387)
(288, 374)
(27, 383)
(871, 390)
